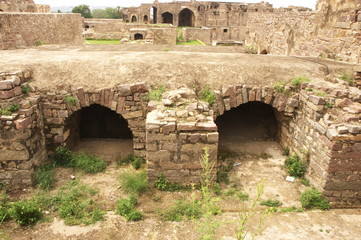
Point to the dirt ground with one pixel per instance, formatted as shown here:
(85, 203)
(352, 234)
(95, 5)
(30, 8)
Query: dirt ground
(93, 67)
(251, 167)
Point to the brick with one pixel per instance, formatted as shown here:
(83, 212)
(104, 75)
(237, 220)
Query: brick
(138, 88)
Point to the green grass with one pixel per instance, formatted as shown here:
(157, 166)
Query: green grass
(296, 82)
(236, 194)
(44, 177)
(134, 182)
(88, 163)
(164, 184)
(155, 94)
(279, 87)
(182, 209)
(347, 78)
(4, 208)
(136, 162)
(102, 42)
(26, 212)
(10, 110)
(271, 203)
(312, 199)
(295, 167)
(207, 95)
(191, 42)
(126, 208)
(70, 99)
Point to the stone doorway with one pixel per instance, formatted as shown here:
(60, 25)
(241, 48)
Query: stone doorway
(186, 18)
(167, 17)
(134, 19)
(138, 36)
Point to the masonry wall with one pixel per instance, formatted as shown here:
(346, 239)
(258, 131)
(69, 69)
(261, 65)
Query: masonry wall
(22, 142)
(18, 30)
(23, 6)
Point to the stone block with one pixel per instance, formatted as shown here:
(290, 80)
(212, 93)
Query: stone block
(7, 94)
(18, 91)
(161, 156)
(139, 88)
(27, 112)
(22, 124)
(206, 126)
(169, 127)
(6, 85)
(342, 130)
(55, 121)
(152, 147)
(194, 137)
(227, 104)
(10, 155)
(131, 115)
(212, 137)
(186, 126)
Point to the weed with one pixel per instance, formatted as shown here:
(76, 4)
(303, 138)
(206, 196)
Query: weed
(216, 189)
(296, 82)
(70, 100)
(166, 49)
(10, 110)
(164, 184)
(125, 207)
(25, 89)
(134, 182)
(62, 157)
(305, 182)
(26, 212)
(290, 209)
(320, 93)
(294, 166)
(271, 203)
(279, 87)
(88, 163)
(236, 194)
(225, 158)
(286, 152)
(44, 177)
(313, 199)
(4, 208)
(347, 78)
(155, 94)
(181, 209)
(40, 43)
(136, 162)
(207, 95)
(309, 89)
(329, 105)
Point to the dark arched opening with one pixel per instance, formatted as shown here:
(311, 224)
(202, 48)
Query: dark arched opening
(138, 36)
(253, 121)
(153, 14)
(86, 26)
(1, 10)
(186, 18)
(264, 51)
(134, 18)
(167, 17)
(145, 19)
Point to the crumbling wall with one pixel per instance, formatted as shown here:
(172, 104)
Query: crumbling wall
(22, 142)
(23, 6)
(18, 30)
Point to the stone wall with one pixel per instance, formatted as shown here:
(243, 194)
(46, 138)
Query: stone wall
(212, 35)
(22, 143)
(177, 132)
(23, 6)
(18, 30)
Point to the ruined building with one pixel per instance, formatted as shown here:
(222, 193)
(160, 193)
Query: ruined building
(23, 6)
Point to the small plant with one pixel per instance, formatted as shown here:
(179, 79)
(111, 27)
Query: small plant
(207, 95)
(136, 162)
(40, 43)
(156, 94)
(286, 152)
(4, 208)
(329, 105)
(313, 199)
(134, 182)
(296, 82)
(309, 89)
(25, 89)
(125, 207)
(62, 157)
(320, 93)
(44, 177)
(347, 78)
(271, 203)
(26, 212)
(10, 110)
(236, 194)
(70, 100)
(181, 209)
(88, 163)
(279, 87)
(294, 166)
(164, 184)
(166, 49)
(305, 182)
(290, 209)
(226, 159)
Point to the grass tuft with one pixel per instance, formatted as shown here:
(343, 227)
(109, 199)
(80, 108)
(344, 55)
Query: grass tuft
(125, 207)
(296, 82)
(313, 199)
(134, 182)
(207, 95)
(182, 209)
(44, 177)
(295, 167)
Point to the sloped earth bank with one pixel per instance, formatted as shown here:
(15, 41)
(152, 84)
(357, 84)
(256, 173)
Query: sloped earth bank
(255, 160)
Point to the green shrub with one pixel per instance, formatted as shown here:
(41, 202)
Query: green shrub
(313, 199)
(294, 166)
(305, 182)
(70, 99)
(236, 194)
(125, 207)
(156, 94)
(10, 110)
(88, 163)
(136, 162)
(296, 82)
(44, 177)
(329, 105)
(347, 78)
(26, 212)
(271, 203)
(164, 184)
(62, 157)
(134, 182)
(25, 89)
(181, 209)
(4, 208)
(286, 152)
(207, 95)
(279, 87)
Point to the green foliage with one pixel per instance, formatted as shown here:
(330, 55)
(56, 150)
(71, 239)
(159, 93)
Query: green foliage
(134, 182)
(25, 89)
(26, 212)
(216, 189)
(309, 89)
(102, 41)
(44, 177)
(347, 78)
(286, 152)
(88, 163)
(329, 105)
(294, 166)
(156, 94)
(313, 199)
(296, 82)
(207, 95)
(83, 9)
(70, 99)
(62, 157)
(164, 184)
(76, 205)
(305, 182)
(10, 110)
(125, 207)
(271, 203)
(40, 43)
(236, 194)
(290, 209)
(113, 13)
(181, 209)
(320, 93)
(279, 87)
(251, 50)
(4, 208)
(136, 162)
(226, 160)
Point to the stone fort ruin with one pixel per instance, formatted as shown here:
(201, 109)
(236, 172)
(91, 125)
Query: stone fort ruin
(57, 106)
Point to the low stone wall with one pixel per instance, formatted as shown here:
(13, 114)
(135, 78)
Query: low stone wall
(22, 143)
(19, 30)
(23, 6)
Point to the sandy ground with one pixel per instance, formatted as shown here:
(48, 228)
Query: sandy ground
(339, 224)
(57, 67)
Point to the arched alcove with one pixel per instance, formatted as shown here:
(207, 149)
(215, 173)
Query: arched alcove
(134, 19)
(138, 36)
(145, 19)
(186, 18)
(167, 17)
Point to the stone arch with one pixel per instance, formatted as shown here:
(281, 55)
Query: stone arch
(186, 18)
(145, 19)
(134, 19)
(138, 36)
(167, 17)
(264, 51)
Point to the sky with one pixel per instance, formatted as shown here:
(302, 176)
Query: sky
(128, 3)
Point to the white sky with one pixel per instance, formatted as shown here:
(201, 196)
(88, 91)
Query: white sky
(128, 3)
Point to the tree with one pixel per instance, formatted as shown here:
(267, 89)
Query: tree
(107, 13)
(84, 10)
(98, 13)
